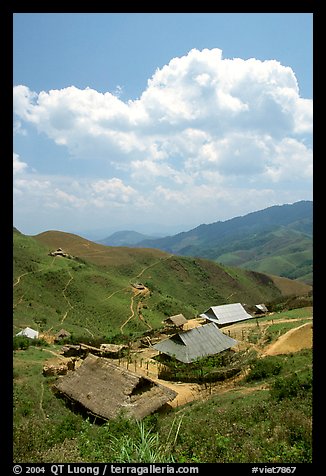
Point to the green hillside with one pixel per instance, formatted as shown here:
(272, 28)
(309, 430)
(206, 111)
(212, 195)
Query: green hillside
(277, 240)
(91, 293)
(284, 252)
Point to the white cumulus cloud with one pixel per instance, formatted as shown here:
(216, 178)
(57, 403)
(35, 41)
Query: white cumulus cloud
(18, 165)
(201, 120)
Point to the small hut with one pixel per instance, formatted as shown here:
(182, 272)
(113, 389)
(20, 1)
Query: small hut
(176, 321)
(260, 309)
(62, 334)
(104, 390)
(112, 350)
(58, 252)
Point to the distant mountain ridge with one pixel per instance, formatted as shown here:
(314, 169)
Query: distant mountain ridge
(125, 238)
(275, 240)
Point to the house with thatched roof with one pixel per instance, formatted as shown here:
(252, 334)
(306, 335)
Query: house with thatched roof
(176, 321)
(62, 334)
(196, 343)
(104, 390)
(112, 350)
(226, 314)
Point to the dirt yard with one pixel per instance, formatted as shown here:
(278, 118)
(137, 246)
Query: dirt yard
(292, 341)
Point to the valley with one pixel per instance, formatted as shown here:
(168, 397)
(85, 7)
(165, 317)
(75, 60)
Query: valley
(93, 293)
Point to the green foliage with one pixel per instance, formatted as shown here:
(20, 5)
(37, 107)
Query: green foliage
(264, 368)
(289, 302)
(144, 448)
(21, 342)
(235, 427)
(209, 369)
(291, 387)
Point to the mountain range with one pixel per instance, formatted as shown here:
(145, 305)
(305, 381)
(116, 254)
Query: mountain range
(276, 240)
(125, 238)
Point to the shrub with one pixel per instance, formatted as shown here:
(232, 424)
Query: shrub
(290, 387)
(39, 343)
(21, 342)
(264, 368)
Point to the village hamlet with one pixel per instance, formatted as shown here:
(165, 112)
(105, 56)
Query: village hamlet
(162, 259)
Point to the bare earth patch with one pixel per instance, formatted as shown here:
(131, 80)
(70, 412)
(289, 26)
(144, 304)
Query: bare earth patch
(292, 341)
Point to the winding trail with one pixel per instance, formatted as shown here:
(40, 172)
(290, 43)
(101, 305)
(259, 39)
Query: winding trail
(31, 272)
(153, 264)
(65, 297)
(24, 274)
(115, 292)
(134, 295)
(132, 312)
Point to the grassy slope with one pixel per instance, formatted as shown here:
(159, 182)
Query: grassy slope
(277, 240)
(240, 424)
(283, 252)
(92, 295)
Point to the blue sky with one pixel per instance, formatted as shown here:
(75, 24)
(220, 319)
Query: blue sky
(158, 122)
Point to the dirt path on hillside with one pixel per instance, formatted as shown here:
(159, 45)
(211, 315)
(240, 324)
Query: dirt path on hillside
(32, 272)
(131, 315)
(153, 264)
(115, 292)
(142, 294)
(65, 297)
(136, 293)
(19, 277)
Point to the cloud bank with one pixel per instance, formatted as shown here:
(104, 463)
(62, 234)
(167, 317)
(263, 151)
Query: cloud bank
(207, 135)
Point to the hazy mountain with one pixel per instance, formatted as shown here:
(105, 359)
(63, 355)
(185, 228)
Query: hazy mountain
(125, 238)
(275, 240)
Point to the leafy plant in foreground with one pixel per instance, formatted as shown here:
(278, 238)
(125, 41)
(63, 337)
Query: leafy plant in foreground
(146, 447)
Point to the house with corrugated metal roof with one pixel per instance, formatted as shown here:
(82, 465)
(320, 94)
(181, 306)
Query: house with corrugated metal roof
(226, 314)
(28, 332)
(202, 341)
(261, 309)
